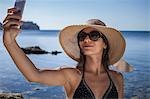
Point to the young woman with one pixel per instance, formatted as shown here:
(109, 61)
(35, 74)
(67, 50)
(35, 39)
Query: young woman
(95, 47)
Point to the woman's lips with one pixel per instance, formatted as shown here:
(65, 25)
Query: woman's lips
(87, 46)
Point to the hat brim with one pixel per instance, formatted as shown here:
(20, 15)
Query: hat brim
(123, 65)
(68, 41)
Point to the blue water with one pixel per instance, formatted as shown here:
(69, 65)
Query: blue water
(11, 80)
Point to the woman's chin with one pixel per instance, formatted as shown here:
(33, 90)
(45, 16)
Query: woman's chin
(88, 53)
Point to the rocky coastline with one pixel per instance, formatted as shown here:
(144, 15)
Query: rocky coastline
(0, 26)
(11, 96)
(38, 50)
(27, 25)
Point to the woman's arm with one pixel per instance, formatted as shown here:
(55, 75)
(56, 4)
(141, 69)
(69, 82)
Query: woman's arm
(121, 86)
(23, 63)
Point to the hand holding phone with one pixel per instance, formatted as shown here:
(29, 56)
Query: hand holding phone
(19, 5)
(12, 22)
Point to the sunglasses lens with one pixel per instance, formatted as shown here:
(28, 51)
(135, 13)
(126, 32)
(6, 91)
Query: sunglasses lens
(82, 36)
(94, 35)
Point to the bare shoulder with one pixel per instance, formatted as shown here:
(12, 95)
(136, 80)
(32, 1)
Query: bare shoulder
(116, 74)
(117, 77)
(72, 73)
(70, 70)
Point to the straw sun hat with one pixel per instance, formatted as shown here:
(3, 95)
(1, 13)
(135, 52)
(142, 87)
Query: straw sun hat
(69, 43)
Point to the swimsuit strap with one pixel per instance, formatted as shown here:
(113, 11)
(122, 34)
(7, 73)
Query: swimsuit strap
(83, 71)
(108, 75)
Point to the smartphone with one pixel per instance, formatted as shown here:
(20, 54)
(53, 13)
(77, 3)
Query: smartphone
(19, 5)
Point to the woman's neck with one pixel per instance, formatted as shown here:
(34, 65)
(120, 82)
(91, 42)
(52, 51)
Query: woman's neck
(94, 65)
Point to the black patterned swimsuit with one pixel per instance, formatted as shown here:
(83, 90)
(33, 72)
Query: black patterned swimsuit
(84, 92)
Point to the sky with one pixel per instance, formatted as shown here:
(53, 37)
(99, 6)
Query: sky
(56, 14)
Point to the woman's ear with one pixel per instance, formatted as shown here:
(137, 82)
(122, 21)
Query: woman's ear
(105, 46)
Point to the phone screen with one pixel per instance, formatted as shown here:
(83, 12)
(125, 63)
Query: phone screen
(19, 4)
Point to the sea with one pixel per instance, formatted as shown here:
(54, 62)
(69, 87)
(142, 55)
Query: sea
(137, 54)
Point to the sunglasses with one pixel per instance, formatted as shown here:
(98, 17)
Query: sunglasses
(93, 35)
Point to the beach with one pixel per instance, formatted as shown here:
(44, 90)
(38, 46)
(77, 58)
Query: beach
(137, 54)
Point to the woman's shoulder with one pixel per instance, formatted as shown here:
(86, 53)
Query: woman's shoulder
(68, 69)
(116, 76)
(71, 71)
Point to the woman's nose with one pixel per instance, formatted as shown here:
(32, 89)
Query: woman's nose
(87, 39)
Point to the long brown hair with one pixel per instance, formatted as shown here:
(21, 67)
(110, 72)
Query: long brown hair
(105, 55)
